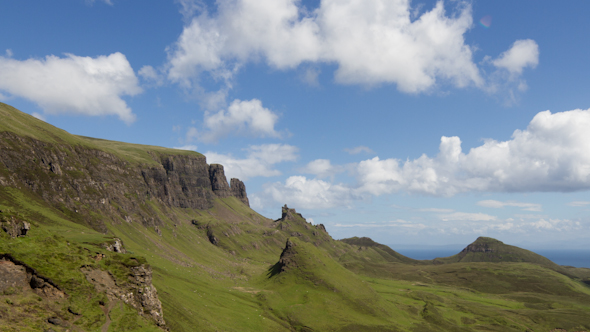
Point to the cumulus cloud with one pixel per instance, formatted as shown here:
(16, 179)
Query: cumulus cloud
(359, 149)
(300, 192)
(551, 155)
(259, 162)
(73, 84)
(522, 54)
(497, 204)
(321, 168)
(242, 118)
(371, 42)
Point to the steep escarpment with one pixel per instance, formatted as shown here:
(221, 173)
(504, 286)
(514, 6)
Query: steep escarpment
(91, 185)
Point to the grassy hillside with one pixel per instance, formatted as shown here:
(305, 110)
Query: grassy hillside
(24, 125)
(486, 249)
(227, 268)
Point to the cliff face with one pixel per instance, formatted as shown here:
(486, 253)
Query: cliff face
(238, 190)
(80, 181)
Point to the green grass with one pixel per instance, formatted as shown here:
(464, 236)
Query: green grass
(24, 125)
(350, 285)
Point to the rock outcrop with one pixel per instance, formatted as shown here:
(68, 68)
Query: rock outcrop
(218, 180)
(238, 190)
(116, 246)
(138, 291)
(14, 227)
(80, 181)
(220, 187)
(287, 260)
(16, 276)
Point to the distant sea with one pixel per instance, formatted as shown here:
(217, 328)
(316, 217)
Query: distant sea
(577, 258)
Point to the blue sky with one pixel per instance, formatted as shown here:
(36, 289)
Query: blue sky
(408, 122)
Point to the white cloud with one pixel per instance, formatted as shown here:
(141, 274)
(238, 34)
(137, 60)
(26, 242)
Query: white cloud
(371, 41)
(9, 53)
(189, 7)
(552, 154)
(73, 84)
(359, 149)
(186, 147)
(522, 54)
(321, 168)
(149, 74)
(300, 192)
(498, 204)
(579, 203)
(457, 216)
(259, 162)
(39, 116)
(402, 224)
(243, 118)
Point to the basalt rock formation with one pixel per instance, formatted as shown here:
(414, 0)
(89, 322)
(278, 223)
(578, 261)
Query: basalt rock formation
(138, 291)
(80, 180)
(218, 181)
(238, 190)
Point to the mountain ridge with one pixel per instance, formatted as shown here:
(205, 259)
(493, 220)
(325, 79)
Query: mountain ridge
(172, 230)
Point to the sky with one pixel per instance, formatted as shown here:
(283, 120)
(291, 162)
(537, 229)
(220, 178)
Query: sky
(410, 122)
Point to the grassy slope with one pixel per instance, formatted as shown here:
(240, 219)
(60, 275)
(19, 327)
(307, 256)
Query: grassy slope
(227, 287)
(500, 252)
(24, 125)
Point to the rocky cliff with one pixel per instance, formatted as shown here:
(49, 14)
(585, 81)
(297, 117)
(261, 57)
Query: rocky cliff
(81, 181)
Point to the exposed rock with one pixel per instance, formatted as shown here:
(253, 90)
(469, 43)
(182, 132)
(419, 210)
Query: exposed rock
(138, 291)
(57, 321)
(212, 238)
(482, 245)
(238, 190)
(147, 295)
(321, 227)
(15, 227)
(116, 246)
(296, 234)
(289, 214)
(16, 276)
(76, 177)
(287, 260)
(219, 181)
(13, 278)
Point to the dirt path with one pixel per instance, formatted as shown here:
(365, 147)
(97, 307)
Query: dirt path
(107, 311)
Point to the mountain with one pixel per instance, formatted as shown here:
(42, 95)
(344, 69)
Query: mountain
(485, 249)
(97, 235)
